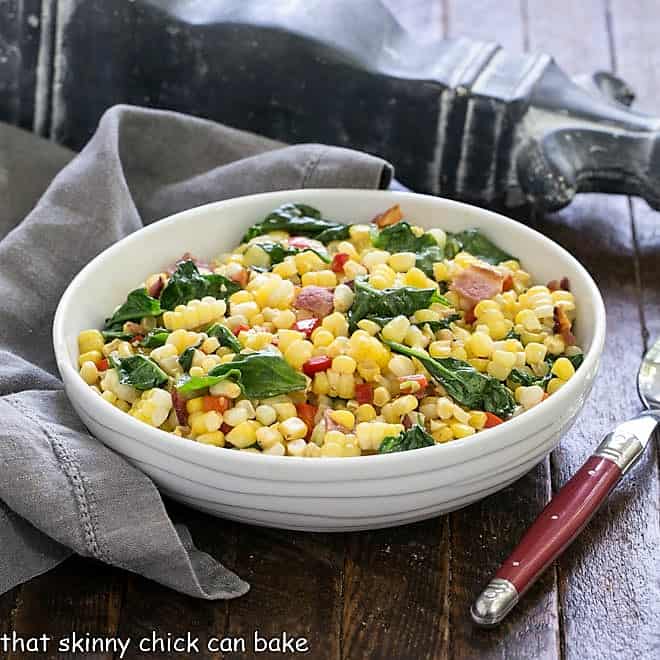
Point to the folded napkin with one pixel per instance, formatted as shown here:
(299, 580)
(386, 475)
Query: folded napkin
(61, 490)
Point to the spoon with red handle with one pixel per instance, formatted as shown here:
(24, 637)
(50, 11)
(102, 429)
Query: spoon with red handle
(573, 506)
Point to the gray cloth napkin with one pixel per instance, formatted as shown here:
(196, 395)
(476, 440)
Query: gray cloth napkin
(61, 490)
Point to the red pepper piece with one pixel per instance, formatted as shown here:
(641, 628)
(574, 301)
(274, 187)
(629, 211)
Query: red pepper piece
(299, 242)
(492, 420)
(364, 393)
(413, 384)
(507, 283)
(316, 364)
(102, 365)
(239, 328)
(307, 412)
(338, 262)
(307, 326)
(217, 403)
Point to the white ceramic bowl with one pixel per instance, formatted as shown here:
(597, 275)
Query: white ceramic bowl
(336, 493)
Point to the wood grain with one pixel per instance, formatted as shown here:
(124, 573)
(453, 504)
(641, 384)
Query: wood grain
(79, 595)
(608, 578)
(396, 592)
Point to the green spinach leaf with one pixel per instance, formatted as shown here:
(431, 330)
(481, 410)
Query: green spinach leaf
(299, 220)
(277, 252)
(260, 375)
(155, 338)
(187, 283)
(413, 438)
(139, 371)
(401, 238)
(186, 358)
(225, 336)
(138, 305)
(115, 332)
(388, 303)
(474, 242)
(463, 382)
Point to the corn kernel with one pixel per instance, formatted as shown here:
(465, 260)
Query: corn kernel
(293, 428)
(445, 408)
(443, 434)
(416, 278)
(195, 405)
(365, 413)
(242, 435)
(381, 396)
(89, 372)
(336, 323)
(461, 430)
(298, 352)
(89, 356)
(90, 340)
(344, 418)
(563, 368)
(284, 410)
(554, 385)
(369, 326)
(215, 438)
(535, 352)
(226, 388)
(396, 329)
(402, 262)
(344, 364)
(268, 436)
(530, 396)
(440, 349)
(477, 419)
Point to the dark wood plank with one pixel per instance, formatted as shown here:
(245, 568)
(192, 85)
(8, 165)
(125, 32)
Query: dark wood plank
(483, 534)
(604, 591)
(296, 587)
(396, 592)
(150, 608)
(79, 595)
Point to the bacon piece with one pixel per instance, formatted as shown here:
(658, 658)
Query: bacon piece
(389, 217)
(564, 284)
(179, 405)
(477, 283)
(563, 326)
(155, 289)
(315, 299)
(132, 328)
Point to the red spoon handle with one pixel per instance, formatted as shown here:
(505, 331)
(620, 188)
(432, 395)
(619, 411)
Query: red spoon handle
(560, 522)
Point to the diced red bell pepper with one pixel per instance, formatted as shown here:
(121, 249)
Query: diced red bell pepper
(316, 364)
(364, 393)
(413, 384)
(102, 365)
(307, 326)
(507, 283)
(307, 412)
(300, 242)
(492, 420)
(217, 403)
(239, 328)
(338, 262)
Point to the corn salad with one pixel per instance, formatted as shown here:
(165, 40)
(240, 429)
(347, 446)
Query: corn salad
(318, 339)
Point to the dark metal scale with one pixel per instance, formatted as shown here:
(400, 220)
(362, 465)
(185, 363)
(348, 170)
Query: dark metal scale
(461, 118)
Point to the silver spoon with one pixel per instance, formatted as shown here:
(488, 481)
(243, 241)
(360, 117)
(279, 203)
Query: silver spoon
(574, 505)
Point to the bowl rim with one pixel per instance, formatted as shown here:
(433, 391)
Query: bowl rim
(495, 438)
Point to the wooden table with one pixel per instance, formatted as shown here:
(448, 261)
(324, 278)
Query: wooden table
(405, 592)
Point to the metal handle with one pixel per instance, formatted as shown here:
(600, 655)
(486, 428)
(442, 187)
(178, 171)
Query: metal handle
(563, 519)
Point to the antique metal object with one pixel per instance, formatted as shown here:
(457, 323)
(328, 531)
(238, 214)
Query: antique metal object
(577, 501)
(461, 118)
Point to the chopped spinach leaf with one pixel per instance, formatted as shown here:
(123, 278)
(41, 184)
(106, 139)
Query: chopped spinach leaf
(388, 303)
(277, 252)
(225, 336)
(575, 360)
(512, 334)
(463, 382)
(187, 283)
(299, 220)
(443, 324)
(138, 305)
(401, 238)
(413, 438)
(155, 338)
(186, 358)
(139, 371)
(474, 242)
(522, 377)
(260, 375)
(115, 332)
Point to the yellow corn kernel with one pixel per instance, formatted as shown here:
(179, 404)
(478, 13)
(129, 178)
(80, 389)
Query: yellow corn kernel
(479, 345)
(344, 364)
(369, 370)
(90, 356)
(443, 434)
(504, 358)
(480, 364)
(461, 430)
(352, 270)
(205, 422)
(416, 278)
(440, 271)
(458, 352)
(336, 323)
(373, 258)
(440, 349)
(396, 329)
(322, 337)
(528, 320)
(402, 262)
(124, 406)
(327, 278)
(331, 450)
(292, 428)
(195, 405)
(499, 370)
(298, 353)
(369, 326)
(286, 268)
(381, 396)
(555, 344)
(554, 385)
(365, 413)
(267, 436)
(109, 396)
(215, 438)
(307, 261)
(404, 405)
(477, 419)
(460, 415)
(343, 298)
(286, 337)
(90, 340)
(321, 384)
(241, 297)
(563, 368)
(243, 435)
(225, 388)
(344, 418)
(360, 235)
(89, 372)
(284, 410)
(535, 352)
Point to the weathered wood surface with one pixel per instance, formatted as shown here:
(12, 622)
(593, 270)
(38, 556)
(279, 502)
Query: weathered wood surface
(405, 593)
